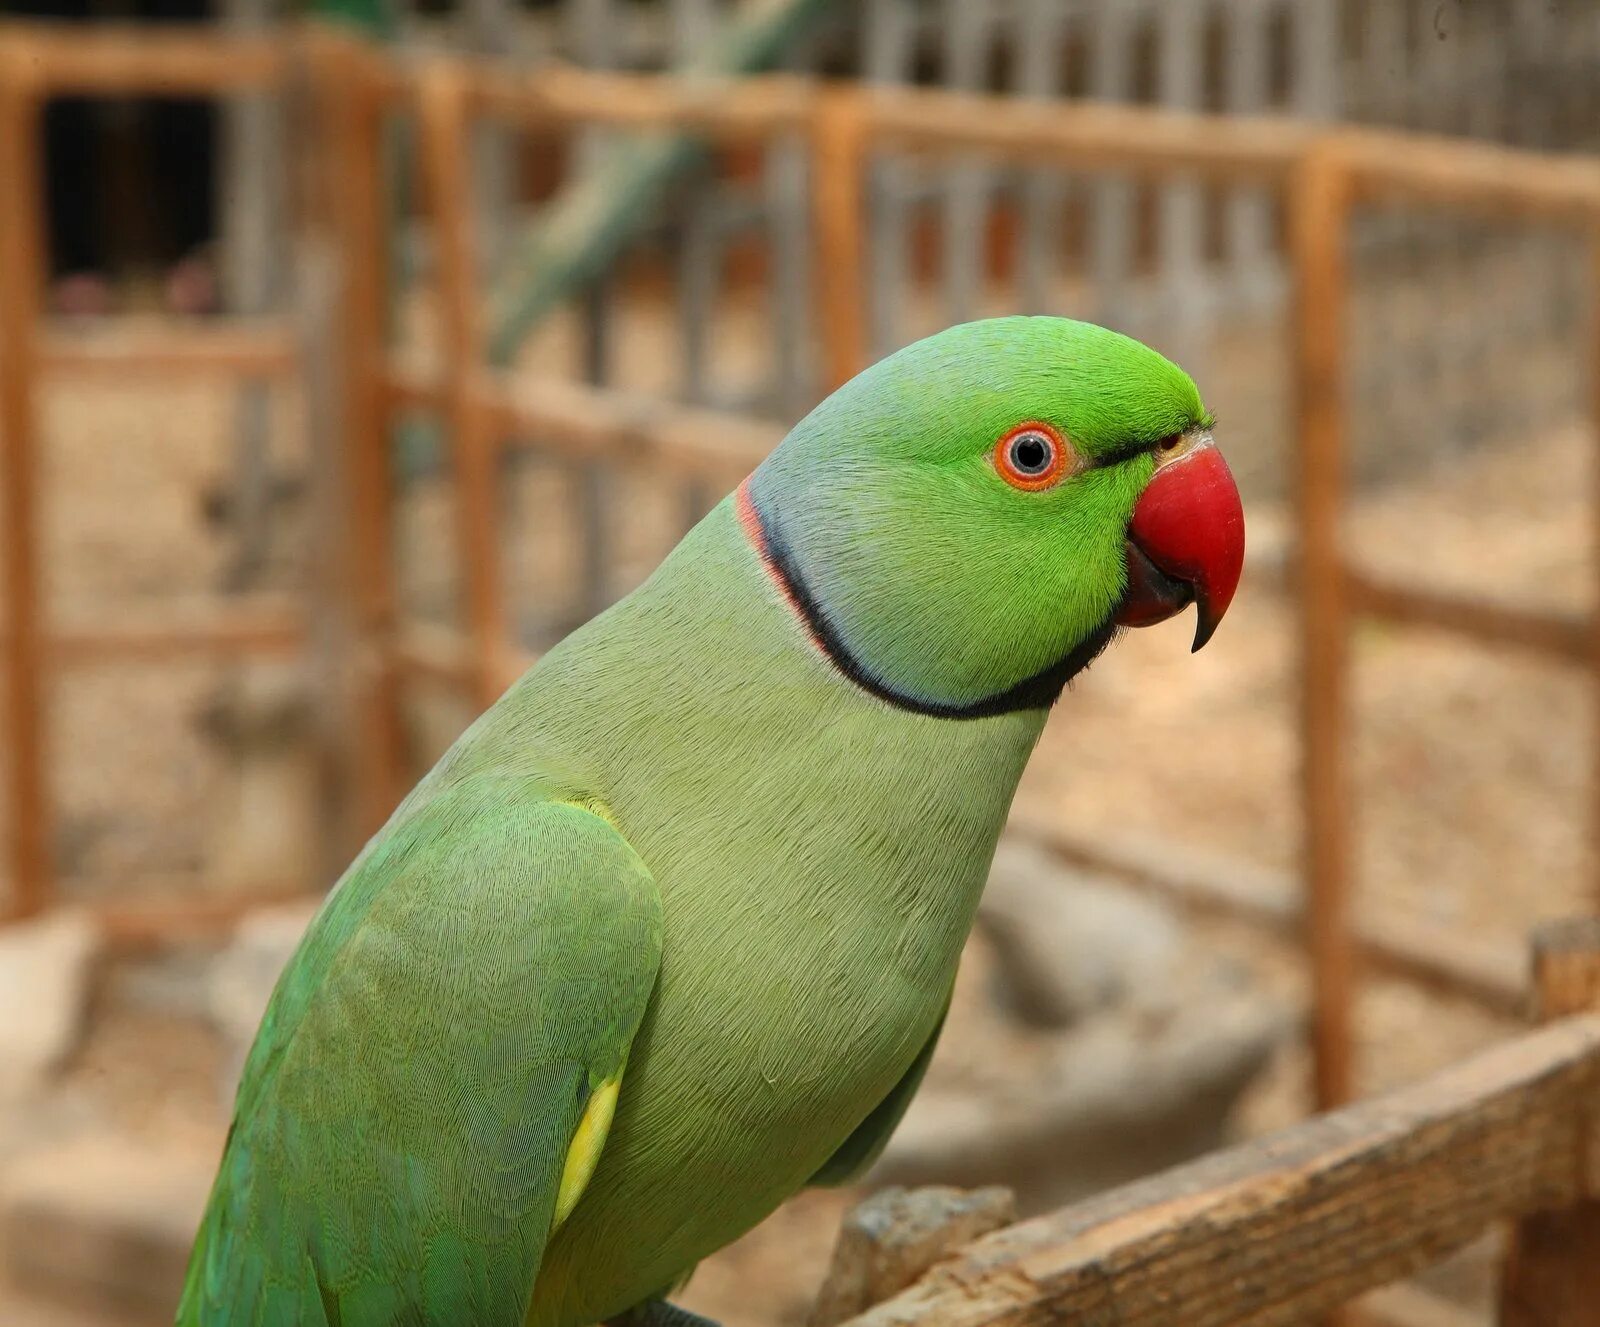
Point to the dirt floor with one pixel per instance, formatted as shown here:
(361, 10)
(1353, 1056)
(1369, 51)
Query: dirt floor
(1472, 767)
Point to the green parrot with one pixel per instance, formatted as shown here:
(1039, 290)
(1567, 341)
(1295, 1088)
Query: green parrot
(668, 935)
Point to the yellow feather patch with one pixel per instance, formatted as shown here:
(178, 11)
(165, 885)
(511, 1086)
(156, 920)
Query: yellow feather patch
(584, 1154)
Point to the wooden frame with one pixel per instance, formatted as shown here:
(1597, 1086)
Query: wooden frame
(1323, 174)
(37, 62)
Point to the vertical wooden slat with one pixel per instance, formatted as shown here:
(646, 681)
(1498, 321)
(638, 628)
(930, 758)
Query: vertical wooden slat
(355, 187)
(1250, 240)
(968, 35)
(785, 186)
(443, 137)
(1552, 1267)
(1111, 219)
(1180, 50)
(254, 210)
(1037, 42)
(1592, 372)
(889, 37)
(22, 265)
(837, 171)
(594, 44)
(700, 256)
(491, 30)
(699, 259)
(1319, 206)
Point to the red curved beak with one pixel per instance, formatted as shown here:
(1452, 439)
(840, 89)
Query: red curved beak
(1185, 542)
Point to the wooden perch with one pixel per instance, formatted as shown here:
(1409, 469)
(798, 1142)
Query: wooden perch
(1282, 1229)
(894, 1237)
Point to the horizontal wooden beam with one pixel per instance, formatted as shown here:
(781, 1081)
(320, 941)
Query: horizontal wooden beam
(149, 919)
(121, 59)
(265, 627)
(1389, 167)
(572, 419)
(1084, 135)
(727, 109)
(126, 346)
(444, 655)
(1551, 632)
(1279, 1230)
(1447, 962)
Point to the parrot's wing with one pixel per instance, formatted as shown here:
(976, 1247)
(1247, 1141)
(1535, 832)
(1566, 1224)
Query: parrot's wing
(865, 1145)
(434, 1076)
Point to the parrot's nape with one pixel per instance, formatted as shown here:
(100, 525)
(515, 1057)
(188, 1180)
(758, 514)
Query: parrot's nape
(669, 933)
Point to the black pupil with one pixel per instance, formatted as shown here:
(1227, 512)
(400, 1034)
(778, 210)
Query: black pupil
(1030, 454)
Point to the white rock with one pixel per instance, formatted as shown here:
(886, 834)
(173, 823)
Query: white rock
(44, 978)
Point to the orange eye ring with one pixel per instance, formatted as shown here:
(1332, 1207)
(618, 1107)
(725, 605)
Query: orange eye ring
(1032, 456)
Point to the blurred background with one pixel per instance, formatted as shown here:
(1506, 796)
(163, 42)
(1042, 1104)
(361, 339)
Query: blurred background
(247, 597)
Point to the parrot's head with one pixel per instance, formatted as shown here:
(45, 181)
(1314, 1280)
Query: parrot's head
(965, 525)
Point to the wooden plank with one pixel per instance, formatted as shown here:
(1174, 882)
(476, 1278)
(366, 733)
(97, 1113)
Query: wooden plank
(967, 185)
(159, 916)
(1593, 355)
(1551, 632)
(22, 268)
(149, 347)
(1552, 1270)
(241, 628)
(1438, 959)
(1449, 173)
(1038, 46)
(584, 423)
(352, 163)
(1120, 140)
(1318, 219)
(838, 168)
(1111, 215)
(443, 142)
(888, 47)
(1272, 1232)
(120, 59)
(1250, 238)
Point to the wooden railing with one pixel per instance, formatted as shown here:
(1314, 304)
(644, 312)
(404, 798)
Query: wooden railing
(1278, 1231)
(1323, 175)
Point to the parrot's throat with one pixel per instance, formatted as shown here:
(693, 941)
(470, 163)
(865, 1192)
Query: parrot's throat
(1039, 691)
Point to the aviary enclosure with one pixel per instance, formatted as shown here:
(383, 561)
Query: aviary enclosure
(523, 326)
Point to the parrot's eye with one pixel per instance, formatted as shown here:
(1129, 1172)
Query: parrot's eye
(1032, 456)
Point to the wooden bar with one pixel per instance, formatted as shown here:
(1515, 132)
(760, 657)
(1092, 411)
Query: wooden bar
(355, 185)
(1559, 635)
(123, 59)
(837, 181)
(1276, 1231)
(1551, 1276)
(162, 917)
(443, 143)
(22, 267)
(729, 110)
(1593, 349)
(1451, 964)
(584, 423)
(132, 346)
(1319, 205)
(1123, 140)
(1390, 167)
(239, 629)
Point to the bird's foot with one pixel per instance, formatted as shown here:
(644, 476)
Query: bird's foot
(659, 1313)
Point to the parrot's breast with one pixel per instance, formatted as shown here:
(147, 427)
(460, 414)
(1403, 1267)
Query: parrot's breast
(820, 854)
